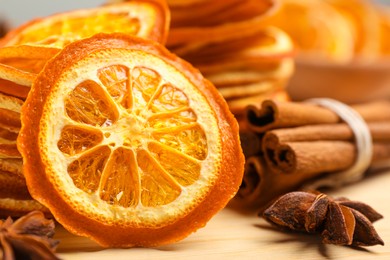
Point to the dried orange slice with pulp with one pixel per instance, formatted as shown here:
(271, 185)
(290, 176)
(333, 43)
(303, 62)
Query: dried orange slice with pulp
(134, 147)
(142, 18)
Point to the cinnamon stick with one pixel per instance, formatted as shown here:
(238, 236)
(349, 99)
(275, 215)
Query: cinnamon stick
(260, 185)
(309, 158)
(271, 115)
(312, 150)
(380, 131)
(250, 143)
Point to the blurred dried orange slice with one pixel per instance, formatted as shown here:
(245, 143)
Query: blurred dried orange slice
(143, 18)
(211, 13)
(385, 30)
(130, 146)
(365, 21)
(316, 28)
(252, 51)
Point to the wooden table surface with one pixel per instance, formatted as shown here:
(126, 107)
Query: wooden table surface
(234, 235)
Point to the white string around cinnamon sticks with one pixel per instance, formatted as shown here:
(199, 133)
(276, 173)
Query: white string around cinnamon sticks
(363, 142)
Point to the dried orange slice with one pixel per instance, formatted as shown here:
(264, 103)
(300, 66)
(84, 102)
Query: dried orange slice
(385, 30)
(13, 186)
(15, 82)
(366, 31)
(316, 28)
(20, 207)
(143, 18)
(26, 58)
(134, 147)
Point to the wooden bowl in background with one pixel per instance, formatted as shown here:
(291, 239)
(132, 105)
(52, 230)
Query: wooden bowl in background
(350, 83)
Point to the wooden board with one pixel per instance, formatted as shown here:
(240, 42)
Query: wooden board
(234, 235)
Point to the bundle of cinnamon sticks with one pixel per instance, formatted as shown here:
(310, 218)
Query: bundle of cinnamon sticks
(290, 144)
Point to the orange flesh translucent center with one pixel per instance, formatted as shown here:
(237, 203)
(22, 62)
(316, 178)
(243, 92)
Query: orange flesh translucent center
(132, 138)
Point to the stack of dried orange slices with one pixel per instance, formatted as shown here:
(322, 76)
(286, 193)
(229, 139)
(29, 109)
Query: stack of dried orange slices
(18, 68)
(121, 140)
(233, 47)
(15, 199)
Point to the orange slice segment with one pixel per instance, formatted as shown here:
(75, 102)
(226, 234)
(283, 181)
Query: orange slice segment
(134, 147)
(142, 18)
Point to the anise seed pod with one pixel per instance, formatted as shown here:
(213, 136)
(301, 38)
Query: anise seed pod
(316, 214)
(339, 225)
(289, 210)
(363, 208)
(365, 233)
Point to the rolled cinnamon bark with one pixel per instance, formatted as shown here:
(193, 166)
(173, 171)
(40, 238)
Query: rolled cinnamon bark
(250, 143)
(260, 185)
(308, 158)
(376, 111)
(381, 153)
(380, 131)
(271, 115)
(310, 151)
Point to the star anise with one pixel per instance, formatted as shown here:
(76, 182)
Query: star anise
(29, 237)
(339, 221)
